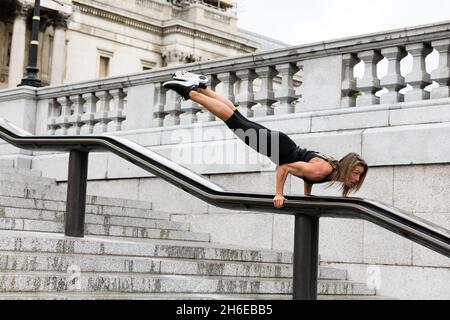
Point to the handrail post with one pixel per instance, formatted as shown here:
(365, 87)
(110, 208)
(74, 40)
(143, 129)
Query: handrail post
(306, 257)
(76, 193)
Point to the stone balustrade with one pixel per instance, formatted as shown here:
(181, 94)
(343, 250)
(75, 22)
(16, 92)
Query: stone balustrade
(298, 79)
(87, 113)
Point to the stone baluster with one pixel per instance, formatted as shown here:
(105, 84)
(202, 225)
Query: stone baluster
(418, 79)
(442, 74)
(349, 61)
(393, 81)
(66, 112)
(76, 118)
(103, 114)
(89, 118)
(117, 115)
(54, 113)
(227, 79)
(266, 96)
(158, 106)
(204, 115)
(246, 95)
(369, 84)
(286, 94)
(189, 111)
(172, 109)
(298, 78)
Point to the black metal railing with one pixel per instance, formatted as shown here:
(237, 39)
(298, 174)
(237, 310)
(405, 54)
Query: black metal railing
(307, 210)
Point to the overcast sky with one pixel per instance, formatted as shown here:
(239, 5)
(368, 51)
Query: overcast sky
(298, 21)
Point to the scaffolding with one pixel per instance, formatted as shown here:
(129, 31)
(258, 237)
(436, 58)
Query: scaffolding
(217, 4)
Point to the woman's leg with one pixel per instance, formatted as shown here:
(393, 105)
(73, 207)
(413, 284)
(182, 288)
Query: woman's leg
(215, 106)
(217, 96)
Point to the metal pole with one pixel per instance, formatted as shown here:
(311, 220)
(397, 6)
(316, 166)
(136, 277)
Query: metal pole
(76, 193)
(306, 257)
(31, 78)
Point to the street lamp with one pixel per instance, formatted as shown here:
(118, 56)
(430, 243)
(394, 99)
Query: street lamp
(31, 78)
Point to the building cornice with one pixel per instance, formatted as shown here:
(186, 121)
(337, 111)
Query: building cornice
(177, 27)
(115, 17)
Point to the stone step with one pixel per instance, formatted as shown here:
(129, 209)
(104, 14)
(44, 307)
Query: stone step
(136, 296)
(19, 171)
(23, 241)
(112, 209)
(20, 261)
(354, 297)
(120, 264)
(16, 193)
(155, 220)
(170, 296)
(106, 230)
(136, 283)
(328, 273)
(20, 189)
(58, 193)
(17, 177)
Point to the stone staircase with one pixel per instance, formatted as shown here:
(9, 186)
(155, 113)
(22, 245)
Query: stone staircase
(131, 252)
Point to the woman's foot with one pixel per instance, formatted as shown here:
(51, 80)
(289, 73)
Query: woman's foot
(183, 88)
(188, 76)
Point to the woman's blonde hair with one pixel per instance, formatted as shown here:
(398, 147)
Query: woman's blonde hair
(344, 168)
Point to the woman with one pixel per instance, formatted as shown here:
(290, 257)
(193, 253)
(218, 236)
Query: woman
(313, 167)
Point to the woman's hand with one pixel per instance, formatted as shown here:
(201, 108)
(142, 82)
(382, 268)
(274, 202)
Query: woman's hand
(278, 200)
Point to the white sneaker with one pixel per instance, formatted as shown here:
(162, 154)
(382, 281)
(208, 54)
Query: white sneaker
(189, 76)
(183, 88)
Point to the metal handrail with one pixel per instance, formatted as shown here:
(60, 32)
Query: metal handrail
(306, 209)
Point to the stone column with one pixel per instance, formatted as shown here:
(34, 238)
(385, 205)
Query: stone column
(393, 81)
(418, 78)
(59, 50)
(17, 58)
(369, 84)
(442, 74)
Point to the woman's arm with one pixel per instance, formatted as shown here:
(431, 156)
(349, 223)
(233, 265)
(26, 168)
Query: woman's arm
(282, 173)
(307, 189)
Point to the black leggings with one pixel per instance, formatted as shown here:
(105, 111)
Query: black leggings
(274, 144)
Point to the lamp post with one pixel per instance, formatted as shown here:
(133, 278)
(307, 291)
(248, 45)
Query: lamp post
(31, 78)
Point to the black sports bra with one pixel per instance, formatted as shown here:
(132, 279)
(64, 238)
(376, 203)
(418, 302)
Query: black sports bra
(314, 154)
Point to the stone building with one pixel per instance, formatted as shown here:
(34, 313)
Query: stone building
(89, 39)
